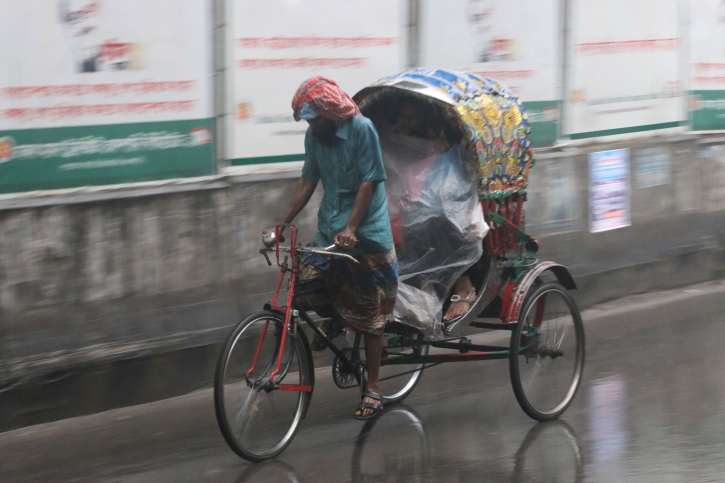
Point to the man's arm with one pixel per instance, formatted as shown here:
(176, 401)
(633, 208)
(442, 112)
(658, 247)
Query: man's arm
(303, 192)
(346, 238)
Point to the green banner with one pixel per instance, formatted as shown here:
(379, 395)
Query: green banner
(544, 120)
(53, 158)
(266, 160)
(707, 110)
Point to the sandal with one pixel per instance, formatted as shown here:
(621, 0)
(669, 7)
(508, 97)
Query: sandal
(467, 300)
(377, 408)
(331, 328)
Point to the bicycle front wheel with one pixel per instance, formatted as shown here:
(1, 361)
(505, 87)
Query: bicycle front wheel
(257, 419)
(547, 352)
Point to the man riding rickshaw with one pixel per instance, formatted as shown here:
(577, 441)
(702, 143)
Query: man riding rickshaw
(419, 236)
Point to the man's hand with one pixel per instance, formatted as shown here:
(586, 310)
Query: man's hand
(346, 239)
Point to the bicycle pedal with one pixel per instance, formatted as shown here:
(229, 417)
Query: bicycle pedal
(332, 329)
(318, 344)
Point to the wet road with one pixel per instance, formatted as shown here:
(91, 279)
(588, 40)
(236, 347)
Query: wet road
(651, 408)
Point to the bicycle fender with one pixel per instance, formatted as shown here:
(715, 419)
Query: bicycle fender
(515, 293)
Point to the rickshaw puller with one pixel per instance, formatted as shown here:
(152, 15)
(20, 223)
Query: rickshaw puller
(342, 149)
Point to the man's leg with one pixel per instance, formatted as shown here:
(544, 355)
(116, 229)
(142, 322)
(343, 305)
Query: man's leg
(373, 354)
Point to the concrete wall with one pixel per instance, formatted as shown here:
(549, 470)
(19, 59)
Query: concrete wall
(678, 228)
(93, 276)
(86, 277)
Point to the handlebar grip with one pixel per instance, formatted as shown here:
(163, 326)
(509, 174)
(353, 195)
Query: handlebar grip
(266, 257)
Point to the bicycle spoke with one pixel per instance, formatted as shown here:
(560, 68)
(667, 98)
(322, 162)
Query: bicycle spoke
(245, 410)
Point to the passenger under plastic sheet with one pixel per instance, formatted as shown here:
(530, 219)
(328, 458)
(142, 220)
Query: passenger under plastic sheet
(434, 208)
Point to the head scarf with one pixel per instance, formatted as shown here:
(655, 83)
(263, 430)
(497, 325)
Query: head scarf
(326, 98)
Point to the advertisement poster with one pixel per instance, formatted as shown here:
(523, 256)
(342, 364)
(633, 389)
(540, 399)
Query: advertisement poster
(278, 44)
(707, 54)
(561, 205)
(609, 190)
(514, 42)
(104, 91)
(624, 73)
(652, 167)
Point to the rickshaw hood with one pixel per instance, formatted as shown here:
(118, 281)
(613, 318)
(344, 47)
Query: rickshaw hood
(491, 119)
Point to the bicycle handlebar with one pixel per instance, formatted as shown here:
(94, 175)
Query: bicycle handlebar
(271, 244)
(321, 251)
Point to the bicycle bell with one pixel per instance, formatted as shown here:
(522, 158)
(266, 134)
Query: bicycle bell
(269, 238)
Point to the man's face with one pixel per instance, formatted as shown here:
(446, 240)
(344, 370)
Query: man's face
(324, 129)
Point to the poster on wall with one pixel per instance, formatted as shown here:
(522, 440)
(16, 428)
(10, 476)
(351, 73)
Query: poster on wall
(514, 42)
(652, 167)
(707, 56)
(624, 71)
(104, 91)
(561, 206)
(278, 44)
(609, 190)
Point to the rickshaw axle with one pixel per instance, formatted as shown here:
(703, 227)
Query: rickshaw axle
(553, 353)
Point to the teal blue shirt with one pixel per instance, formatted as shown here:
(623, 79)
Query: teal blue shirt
(355, 158)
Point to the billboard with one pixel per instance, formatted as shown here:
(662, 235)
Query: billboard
(609, 190)
(104, 91)
(277, 44)
(707, 56)
(514, 42)
(624, 67)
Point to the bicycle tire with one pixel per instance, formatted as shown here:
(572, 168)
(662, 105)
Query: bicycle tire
(297, 367)
(526, 344)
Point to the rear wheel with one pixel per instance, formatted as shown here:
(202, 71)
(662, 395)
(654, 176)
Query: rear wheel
(258, 420)
(547, 352)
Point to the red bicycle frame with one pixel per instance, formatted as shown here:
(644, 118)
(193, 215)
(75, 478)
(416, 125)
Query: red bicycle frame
(293, 270)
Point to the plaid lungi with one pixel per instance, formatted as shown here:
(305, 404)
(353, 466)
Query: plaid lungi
(362, 295)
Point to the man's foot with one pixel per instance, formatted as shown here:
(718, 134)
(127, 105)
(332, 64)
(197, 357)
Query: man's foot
(460, 303)
(370, 405)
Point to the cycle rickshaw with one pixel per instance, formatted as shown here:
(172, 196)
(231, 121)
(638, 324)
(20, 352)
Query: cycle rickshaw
(265, 375)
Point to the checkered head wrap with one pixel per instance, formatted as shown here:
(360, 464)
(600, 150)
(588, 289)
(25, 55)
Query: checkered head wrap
(326, 98)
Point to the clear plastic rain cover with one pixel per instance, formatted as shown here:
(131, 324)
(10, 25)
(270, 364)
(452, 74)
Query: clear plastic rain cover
(437, 222)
